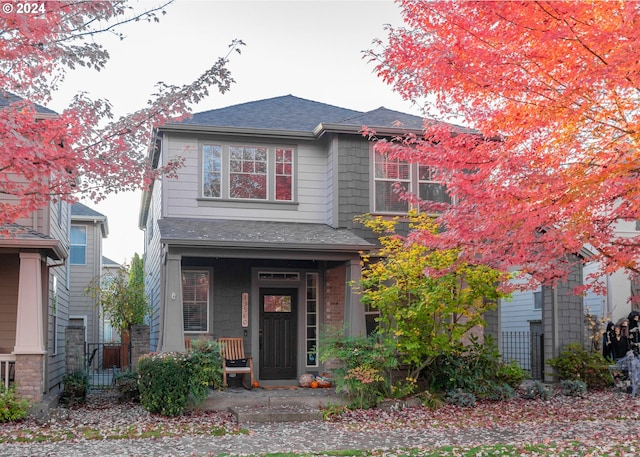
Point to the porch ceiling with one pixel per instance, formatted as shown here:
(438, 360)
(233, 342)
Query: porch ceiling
(244, 234)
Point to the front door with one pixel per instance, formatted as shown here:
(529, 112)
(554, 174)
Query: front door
(278, 333)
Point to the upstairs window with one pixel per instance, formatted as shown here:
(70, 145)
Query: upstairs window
(240, 172)
(417, 179)
(78, 254)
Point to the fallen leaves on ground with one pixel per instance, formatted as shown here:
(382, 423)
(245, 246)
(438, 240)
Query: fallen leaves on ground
(103, 417)
(602, 423)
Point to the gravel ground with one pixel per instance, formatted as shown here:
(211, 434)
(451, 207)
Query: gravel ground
(604, 423)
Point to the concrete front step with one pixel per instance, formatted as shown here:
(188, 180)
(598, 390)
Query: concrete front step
(303, 398)
(262, 414)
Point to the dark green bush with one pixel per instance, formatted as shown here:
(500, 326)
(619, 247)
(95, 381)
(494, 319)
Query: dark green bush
(12, 407)
(575, 363)
(76, 386)
(476, 368)
(165, 383)
(538, 390)
(459, 397)
(127, 384)
(206, 358)
(573, 387)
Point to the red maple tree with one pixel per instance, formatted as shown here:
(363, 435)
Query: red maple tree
(551, 90)
(83, 151)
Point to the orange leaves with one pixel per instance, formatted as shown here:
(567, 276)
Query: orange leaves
(552, 89)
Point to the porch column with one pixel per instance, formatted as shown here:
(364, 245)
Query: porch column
(172, 317)
(354, 309)
(29, 348)
(29, 324)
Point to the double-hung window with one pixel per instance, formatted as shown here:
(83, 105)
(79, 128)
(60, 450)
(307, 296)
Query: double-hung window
(245, 172)
(392, 175)
(78, 249)
(195, 300)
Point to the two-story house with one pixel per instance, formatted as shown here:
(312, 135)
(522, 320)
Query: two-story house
(34, 293)
(88, 229)
(256, 238)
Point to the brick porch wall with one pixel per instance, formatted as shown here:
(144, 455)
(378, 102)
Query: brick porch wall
(334, 294)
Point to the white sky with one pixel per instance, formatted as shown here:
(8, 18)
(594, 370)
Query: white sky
(307, 48)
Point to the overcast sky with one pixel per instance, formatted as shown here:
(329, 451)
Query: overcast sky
(308, 48)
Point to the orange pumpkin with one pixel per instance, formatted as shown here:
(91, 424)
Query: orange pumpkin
(314, 384)
(256, 384)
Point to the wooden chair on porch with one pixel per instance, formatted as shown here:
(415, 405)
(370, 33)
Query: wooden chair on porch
(234, 360)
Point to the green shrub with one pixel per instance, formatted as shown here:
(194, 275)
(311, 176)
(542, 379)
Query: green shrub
(477, 368)
(573, 387)
(76, 386)
(364, 367)
(575, 363)
(165, 383)
(127, 384)
(12, 407)
(459, 397)
(206, 358)
(538, 390)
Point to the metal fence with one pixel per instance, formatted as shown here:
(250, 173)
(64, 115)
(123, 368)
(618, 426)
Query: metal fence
(527, 349)
(104, 360)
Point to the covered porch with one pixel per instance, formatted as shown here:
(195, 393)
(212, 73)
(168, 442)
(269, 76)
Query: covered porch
(25, 263)
(276, 285)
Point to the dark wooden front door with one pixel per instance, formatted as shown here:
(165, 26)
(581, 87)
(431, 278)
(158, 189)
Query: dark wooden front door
(278, 333)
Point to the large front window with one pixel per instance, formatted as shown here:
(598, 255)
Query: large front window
(392, 177)
(241, 172)
(195, 300)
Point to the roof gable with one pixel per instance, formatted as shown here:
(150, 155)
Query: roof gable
(279, 113)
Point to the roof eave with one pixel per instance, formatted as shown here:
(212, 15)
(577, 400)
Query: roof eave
(323, 128)
(51, 245)
(238, 131)
(305, 247)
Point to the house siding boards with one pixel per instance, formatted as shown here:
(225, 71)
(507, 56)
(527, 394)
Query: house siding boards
(153, 263)
(9, 275)
(184, 197)
(354, 156)
(83, 276)
(311, 238)
(83, 305)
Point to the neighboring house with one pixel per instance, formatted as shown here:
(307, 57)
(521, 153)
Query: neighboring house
(110, 269)
(88, 229)
(521, 319)
(256, 237)
(34, 293)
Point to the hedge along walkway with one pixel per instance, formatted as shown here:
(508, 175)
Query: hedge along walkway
(604, 423)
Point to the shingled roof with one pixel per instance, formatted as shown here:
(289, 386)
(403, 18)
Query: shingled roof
(7, 98)
(298, 114)
(259, 234)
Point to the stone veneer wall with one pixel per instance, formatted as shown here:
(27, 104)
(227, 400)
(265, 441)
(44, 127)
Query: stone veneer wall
(74, 348)
(562, 315)
(140, 343)
(30, 376)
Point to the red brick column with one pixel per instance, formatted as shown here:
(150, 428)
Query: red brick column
(334, 294)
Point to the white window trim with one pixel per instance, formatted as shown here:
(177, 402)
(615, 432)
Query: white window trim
(414, 186)
(225, 172)
(209, 273)
(86, 243)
